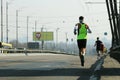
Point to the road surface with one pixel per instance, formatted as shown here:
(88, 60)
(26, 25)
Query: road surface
(111, 69)
(45, 66)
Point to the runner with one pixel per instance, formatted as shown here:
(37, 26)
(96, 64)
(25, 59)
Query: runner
(99, 47)
(81, 31)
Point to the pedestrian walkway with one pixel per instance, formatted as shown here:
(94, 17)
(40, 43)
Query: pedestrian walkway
(110, 70)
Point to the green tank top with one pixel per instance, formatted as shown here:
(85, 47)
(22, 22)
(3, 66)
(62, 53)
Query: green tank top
(82, 32)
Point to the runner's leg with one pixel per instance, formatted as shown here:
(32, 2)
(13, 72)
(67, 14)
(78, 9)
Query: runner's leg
(98, 54)
(82, 60)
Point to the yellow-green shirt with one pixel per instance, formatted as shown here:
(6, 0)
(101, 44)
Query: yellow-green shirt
(82, 31)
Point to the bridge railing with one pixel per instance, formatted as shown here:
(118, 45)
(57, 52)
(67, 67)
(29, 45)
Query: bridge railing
(114, 18)
(9, 51)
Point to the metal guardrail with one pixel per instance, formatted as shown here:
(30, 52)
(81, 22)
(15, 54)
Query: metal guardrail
(29, 51)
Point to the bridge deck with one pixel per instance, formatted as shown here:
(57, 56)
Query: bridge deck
(54, 67)
(44, 67)
(110, 70)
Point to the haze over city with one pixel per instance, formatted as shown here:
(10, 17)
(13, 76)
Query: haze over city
(53, 15)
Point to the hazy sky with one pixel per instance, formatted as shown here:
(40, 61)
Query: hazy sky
(53, 14)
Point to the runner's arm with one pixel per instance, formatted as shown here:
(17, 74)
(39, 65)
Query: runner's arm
(75, 29)
(89, 31)
(95, 44)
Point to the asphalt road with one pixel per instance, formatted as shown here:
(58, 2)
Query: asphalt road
(111, 69)
(45, 67)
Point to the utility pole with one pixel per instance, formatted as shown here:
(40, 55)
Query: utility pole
(16, 28)
(1, 20)
(66, 38)
(27, 29)
(6, 22)
(42, 40)
(7, 8)
(57, 37)
(35, 28)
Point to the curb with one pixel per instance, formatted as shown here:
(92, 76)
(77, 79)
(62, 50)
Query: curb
(96, 72)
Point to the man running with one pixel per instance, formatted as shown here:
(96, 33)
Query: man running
(99, 47)
(81, 32)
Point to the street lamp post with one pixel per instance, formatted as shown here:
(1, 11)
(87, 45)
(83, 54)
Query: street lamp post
(35, 28)
(66, 38)
(27, 29)
(7, 22)
(57, 37)
(1, 20)
(42, 40)
(16, 28)
(7, 5)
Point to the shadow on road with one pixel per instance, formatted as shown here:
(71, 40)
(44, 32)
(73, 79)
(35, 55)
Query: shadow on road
(55, 72)
(110, 72)
(83, 73)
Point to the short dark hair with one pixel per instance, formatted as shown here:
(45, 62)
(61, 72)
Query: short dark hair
(81, 18)
(97, 38)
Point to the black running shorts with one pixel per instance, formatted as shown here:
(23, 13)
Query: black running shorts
(82, 43)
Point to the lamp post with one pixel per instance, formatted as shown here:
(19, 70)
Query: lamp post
(1, 20)
(27, 29)
(66, 38)
(35, 28)
(42, 40)
(7, 3)
(57, 37)
(16, 28)
(7, 22)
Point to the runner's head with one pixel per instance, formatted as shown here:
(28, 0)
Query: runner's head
(81, 19)
(97, 38)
